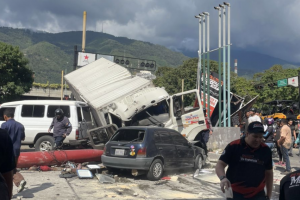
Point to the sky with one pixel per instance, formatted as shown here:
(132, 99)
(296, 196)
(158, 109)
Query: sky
(266, 26)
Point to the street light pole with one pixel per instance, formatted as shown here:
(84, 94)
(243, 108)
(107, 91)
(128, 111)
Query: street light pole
(220, 72)
(199, 61)
(224, 67)
(208, 67)
(228, 60)
(204, 66)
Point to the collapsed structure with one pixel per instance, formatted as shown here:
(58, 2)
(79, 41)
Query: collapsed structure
(117, 97)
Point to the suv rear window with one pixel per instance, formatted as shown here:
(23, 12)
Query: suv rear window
(129, 136)
(51, 110)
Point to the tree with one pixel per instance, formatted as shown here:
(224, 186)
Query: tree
(170, 78)
(15, 76)
(242, 87)
(272, 75)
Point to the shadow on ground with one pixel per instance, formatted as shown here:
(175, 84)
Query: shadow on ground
(29, 193)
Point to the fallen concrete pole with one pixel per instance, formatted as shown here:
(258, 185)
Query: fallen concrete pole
(28, 159)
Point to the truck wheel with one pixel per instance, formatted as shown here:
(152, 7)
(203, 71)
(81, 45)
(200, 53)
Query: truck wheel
(44, 143)
(156, 170)
(199, 162)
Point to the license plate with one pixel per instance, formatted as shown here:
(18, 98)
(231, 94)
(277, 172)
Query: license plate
(119, 152)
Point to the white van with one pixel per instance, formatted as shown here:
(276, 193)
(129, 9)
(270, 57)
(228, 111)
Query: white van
(37, 115)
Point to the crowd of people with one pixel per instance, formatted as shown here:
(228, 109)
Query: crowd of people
(282, 135)
(249, 159)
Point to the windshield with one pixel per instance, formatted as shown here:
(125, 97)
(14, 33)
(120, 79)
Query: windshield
(129, 136)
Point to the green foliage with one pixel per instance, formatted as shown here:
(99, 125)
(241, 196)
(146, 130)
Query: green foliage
(242, 87)
(47, 85)
(171, 78)
(15, 76)
(272, 75)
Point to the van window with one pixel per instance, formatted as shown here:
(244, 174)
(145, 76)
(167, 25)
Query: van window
(129, 136)
(86, 114)
(51, 110)
(33, 111)
(1, 112)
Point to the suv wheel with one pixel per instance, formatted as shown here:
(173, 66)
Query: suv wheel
(156, 170)
(199, 162)
(44, 143)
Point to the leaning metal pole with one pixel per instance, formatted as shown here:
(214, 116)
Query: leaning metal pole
(224, 67)
(208, 67)
(228, 69)
(204, 68)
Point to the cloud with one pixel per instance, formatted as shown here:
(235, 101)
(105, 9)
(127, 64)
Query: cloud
(265, 26)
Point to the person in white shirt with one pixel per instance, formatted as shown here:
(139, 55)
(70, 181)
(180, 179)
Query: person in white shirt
(253, 117)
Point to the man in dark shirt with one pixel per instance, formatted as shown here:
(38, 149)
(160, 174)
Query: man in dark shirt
(62, 128)
(16, 131)
(290, 186)
(7, 165)
(249, 166)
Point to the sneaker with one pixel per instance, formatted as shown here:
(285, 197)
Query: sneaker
(291, 155)
(21, 186)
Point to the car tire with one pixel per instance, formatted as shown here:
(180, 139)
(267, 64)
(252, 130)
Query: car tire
(199, 162)
(156, 170)
(44, 143)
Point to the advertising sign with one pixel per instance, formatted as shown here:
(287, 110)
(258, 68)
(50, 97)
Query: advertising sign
(214, 92)
(293, 81)
(85, 58)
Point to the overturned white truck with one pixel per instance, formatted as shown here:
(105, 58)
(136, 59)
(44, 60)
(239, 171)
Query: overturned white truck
(117, 98)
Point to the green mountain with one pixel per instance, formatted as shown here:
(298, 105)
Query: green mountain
(50, 53)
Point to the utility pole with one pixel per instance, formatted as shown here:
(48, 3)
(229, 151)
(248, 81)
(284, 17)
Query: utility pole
(84, 31)
(75, 58)
(228, 69)
(204, 68)
(208, 69)
(224, 67)
(199, 60)
(220, 72)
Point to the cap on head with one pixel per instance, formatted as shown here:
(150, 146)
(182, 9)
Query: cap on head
(252, 110)
(255, 127)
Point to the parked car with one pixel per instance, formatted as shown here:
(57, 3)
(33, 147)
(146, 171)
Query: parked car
(37, 115)
(151, 149)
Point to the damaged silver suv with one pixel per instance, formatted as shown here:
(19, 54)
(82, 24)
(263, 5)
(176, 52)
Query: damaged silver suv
(151, 150)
